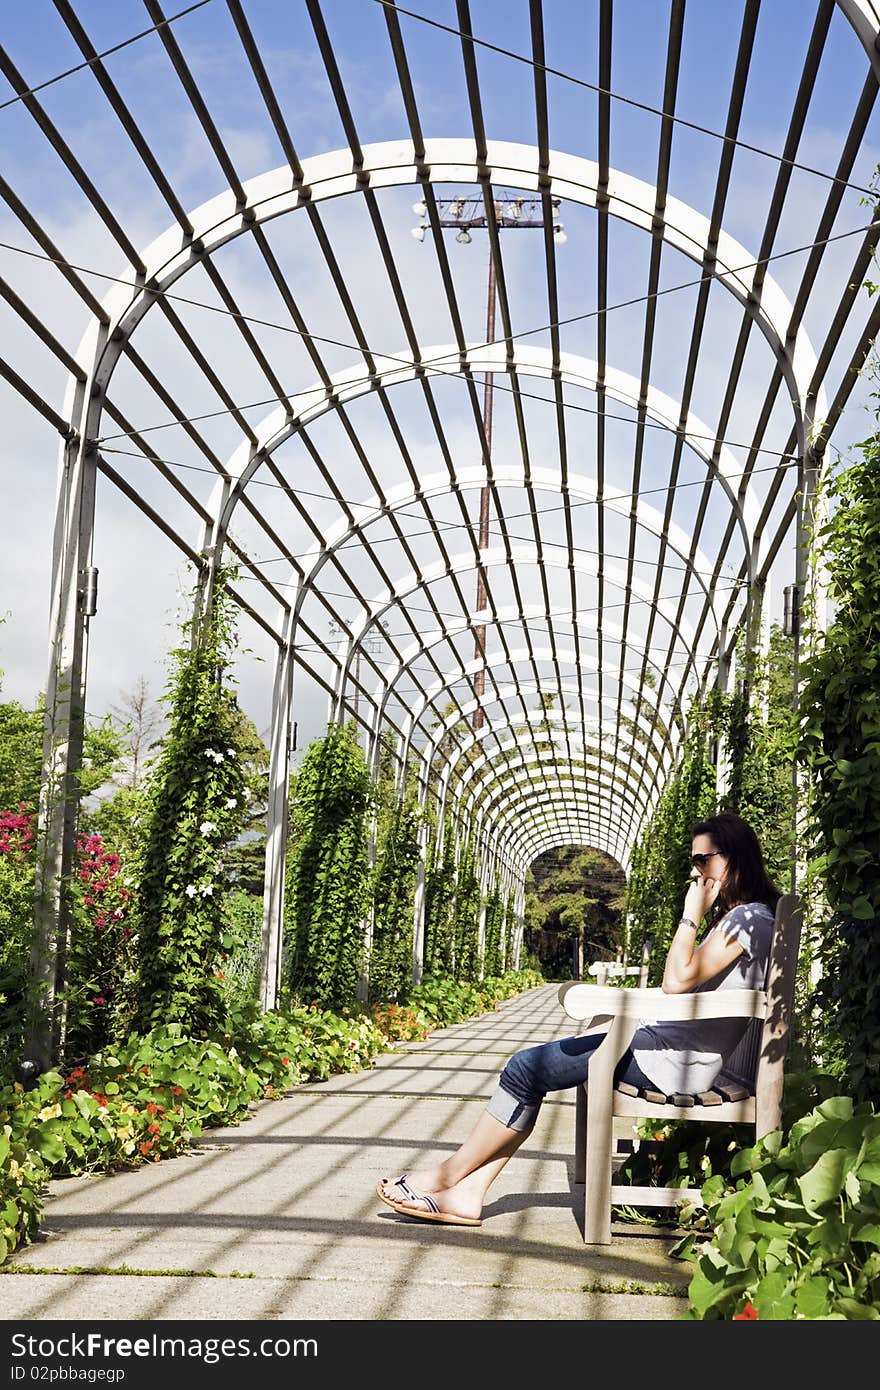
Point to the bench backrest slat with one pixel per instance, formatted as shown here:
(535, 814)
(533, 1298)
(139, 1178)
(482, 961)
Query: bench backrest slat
(781, 979)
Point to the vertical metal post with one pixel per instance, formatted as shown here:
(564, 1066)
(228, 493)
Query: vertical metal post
(276, 824)
(479, 718)
(418, 952)
(64, 730)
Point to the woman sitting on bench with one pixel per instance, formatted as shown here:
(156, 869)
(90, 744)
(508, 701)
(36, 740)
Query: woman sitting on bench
(730, 887)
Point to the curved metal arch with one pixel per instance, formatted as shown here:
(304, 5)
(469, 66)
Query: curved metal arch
(529, 802)
(412, 653)
(491, 774)
(492, 662)
(462, 564)
(665, 759)
(508, 796)
(864, 16)
(538, 733)
(394, 164)
(543, 839)
(281, 424)
(540, 825)
(662, 749)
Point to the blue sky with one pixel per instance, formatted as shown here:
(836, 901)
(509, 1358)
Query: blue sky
(142, 576)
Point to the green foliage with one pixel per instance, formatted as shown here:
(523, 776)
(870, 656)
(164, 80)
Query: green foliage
(196, 798)
(796, 1235)
(241, 944)
(440, 905)
(16, 927)
(22, 1171)
(759, 730)
(443, 1000)
(840, 744)
(394, 879)
(660, 861)
(493, 938)
(21, 753)
(466, 917)
(328, 878)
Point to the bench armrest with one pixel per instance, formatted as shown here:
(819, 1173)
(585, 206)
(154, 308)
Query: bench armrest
(583, 1001)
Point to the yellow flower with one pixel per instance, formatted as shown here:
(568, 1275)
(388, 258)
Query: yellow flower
(49, 1112)
(15, 1170)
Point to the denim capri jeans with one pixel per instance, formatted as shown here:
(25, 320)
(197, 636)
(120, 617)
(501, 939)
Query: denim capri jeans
(553, 1066)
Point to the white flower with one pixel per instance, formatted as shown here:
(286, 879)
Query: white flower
(207, 890)
(191, 890)
(245, 796)
(207, 827)
(213, 753)
(231, 753)
(231, 803)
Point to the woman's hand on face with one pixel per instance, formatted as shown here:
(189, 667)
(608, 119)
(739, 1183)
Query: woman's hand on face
(701, 894)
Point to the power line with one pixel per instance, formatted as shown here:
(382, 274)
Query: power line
(429, 364)
(627, 101)
(513, 516)
(89, 62)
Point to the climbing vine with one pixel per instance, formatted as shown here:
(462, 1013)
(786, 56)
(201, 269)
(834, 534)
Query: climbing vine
(194, 809)
(466, 918)
(328, 873)
(660, 862)
(493, 940)
(440, 904)
(394, 882)
(840, 743)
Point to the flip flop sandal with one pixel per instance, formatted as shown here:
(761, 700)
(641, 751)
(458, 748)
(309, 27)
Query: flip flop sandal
(433, 1213)
(400, 1182)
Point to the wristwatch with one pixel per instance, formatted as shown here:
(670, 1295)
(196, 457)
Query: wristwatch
(686, 922)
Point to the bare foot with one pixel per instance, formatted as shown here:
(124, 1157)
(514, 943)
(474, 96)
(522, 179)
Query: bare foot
(454, 1201)
(422, 1180)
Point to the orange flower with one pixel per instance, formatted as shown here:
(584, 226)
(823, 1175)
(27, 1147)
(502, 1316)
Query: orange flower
(748, 1313)
(177, 1090)
(153, 1128)
(145, 1067)
(146, 1146)
(285, 1062)
(151, 1109)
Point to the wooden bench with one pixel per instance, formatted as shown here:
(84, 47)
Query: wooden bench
(605, 1112)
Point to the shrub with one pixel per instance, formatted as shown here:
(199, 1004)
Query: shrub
(796, 1232)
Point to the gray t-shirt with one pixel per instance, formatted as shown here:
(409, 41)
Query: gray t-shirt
(689, 1056)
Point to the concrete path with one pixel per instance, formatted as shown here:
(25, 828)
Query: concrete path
(277, 1218)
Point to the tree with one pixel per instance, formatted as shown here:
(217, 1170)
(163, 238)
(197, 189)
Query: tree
(141, 719)
(574, 897)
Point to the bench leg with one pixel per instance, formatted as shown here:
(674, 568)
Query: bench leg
(599, 1131)
(580, 1134)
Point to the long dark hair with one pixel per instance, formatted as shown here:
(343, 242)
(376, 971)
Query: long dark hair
(747, 879)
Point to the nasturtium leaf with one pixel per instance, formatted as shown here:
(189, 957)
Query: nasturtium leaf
(772, 1297)
(824, 1181)
(812, 1299)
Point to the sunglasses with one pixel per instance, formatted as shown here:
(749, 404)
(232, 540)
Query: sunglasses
(699, 861)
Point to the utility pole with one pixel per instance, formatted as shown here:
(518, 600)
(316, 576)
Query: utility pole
(464, 213)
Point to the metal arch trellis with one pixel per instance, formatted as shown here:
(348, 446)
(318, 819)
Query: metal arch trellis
(367, 170)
